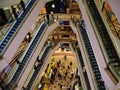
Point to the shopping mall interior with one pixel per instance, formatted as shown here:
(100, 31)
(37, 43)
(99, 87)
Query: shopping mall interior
(59, 45)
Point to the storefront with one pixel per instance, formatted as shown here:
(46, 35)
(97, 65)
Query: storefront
(5, 16)
(7, 13)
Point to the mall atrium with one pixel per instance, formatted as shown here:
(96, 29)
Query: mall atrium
(59, 45)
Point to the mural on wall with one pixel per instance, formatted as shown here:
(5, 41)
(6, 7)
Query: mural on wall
(111, 18)
(109, 10)
(43, 11)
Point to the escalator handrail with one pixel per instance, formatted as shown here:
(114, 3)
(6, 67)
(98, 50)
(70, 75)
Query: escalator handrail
(29, 48)
(82, 28)
(111, 53)
(24, 57)
(10, 29)
(38, 67)
(81, 61)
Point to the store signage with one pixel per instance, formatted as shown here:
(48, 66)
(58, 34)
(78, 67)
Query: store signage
(63, 22)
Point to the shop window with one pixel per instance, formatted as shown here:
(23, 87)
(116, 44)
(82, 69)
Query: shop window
(65, 36)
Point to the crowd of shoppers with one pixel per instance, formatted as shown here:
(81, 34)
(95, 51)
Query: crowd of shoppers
(63, 77)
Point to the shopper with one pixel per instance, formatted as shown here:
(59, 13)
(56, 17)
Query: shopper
(47, 16)
(38, 59)
(65, 57)
(14, 12)
(70, 63)
(22, 4)
(103, 6)
(18, 62)
(35, 67)
(66, 73)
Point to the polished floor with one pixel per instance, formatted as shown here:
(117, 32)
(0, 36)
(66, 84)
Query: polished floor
(65, 64)
(64, 81)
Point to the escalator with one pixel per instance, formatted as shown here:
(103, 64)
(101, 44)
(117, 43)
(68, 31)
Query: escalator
(15, 26)
(92, 59)
(32, 79)
(84, 73)
(114, 60)
(25, 59)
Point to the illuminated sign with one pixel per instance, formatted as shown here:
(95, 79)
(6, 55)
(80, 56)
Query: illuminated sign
(64, 22)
